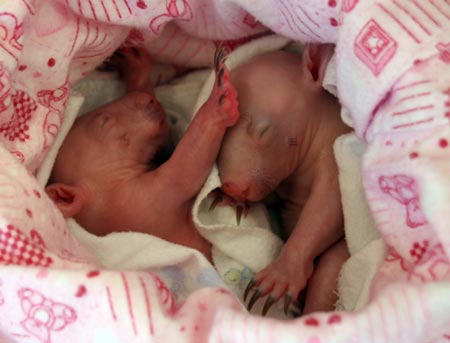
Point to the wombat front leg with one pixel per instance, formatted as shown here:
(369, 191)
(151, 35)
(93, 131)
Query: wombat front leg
(319, 226)
(197, 151)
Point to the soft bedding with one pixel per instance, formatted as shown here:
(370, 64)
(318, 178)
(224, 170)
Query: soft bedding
(393, 78)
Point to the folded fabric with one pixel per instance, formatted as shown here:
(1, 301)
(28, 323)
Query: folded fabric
(392, 69)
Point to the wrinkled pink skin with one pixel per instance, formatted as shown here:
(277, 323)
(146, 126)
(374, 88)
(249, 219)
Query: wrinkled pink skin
(104, 176)
(283, 146)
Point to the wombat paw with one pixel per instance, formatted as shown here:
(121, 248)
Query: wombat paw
(225, 94)
(133, 65)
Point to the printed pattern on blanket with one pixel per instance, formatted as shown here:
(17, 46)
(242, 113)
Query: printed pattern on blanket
(393, 71)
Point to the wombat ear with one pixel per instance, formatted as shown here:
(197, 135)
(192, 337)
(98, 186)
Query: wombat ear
(315, 61)
(69, 199)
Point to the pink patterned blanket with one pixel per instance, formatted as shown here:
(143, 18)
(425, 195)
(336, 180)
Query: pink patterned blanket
(393, 68)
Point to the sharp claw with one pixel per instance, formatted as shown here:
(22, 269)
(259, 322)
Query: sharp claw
(217, 57)
(119, 54)
(214, 203)
(295, 314)
(239, 210)
(220, 77)
(296, 305)
(253, 299)
(287, 302)
(136, 51)
(222, 98)
(300, 303)
(268, 304)
(105, 68)
(297, 309)
(249, 287)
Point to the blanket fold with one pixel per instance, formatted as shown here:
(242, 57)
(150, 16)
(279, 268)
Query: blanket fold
(392, 67)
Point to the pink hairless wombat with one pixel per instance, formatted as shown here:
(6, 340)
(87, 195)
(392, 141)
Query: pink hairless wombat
(107, 175)
(283, 145)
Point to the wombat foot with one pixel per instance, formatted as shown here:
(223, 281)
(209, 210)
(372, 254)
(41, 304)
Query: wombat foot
(224, 96)
(286, 277)
(134, 66)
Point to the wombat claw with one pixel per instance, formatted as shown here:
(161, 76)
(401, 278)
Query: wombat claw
(109, 65)
(219, 60)
(256, 295)
(214, 203)
(241, 208)
(268, 304)
(119, 54)
(269, 301)
(219, 57)
(287, 302)
(250, 285)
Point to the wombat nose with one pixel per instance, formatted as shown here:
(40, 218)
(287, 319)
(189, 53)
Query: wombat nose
(234, 191)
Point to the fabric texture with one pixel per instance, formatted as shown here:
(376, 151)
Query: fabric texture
(393, 76)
